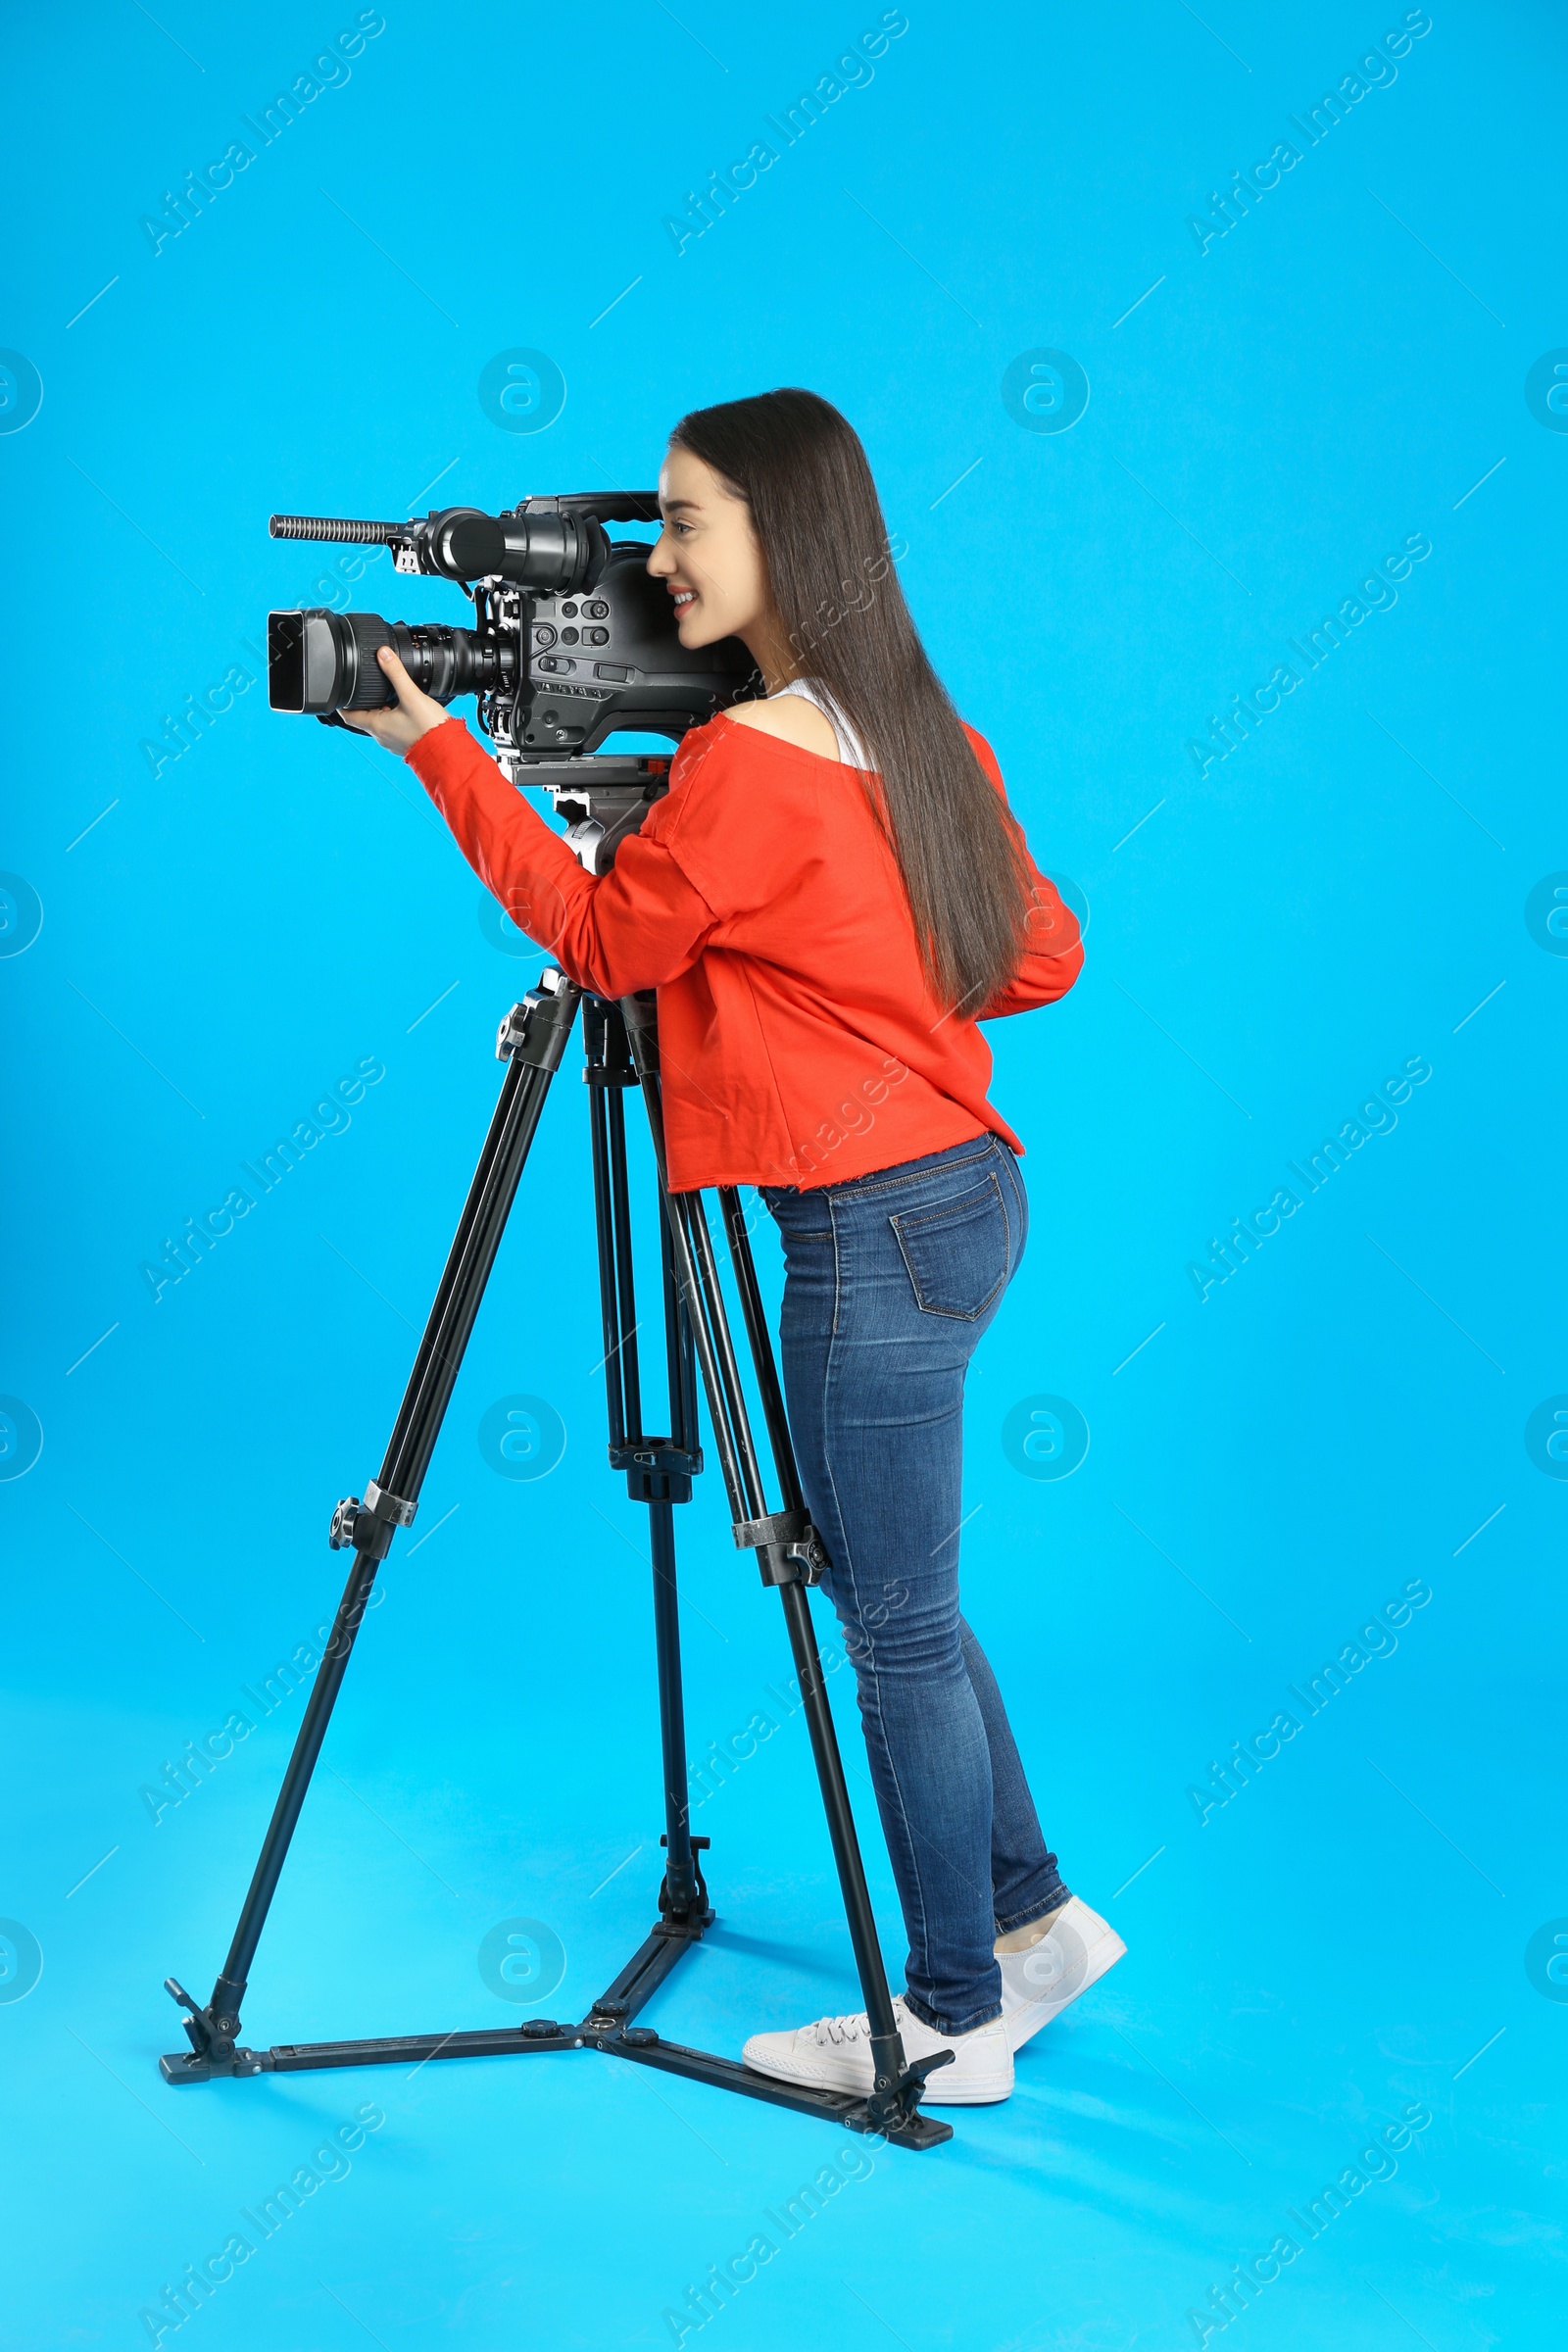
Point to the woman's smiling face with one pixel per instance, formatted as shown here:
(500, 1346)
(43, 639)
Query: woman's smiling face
(709, 558)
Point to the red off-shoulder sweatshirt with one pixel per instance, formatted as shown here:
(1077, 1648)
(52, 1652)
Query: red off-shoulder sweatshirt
(799, 1040)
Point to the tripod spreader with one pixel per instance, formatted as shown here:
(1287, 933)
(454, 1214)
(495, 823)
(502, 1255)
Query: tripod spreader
(622, 1052)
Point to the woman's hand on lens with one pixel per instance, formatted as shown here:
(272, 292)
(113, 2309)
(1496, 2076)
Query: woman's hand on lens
(415, 713)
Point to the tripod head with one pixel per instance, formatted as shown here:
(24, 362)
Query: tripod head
(572, 642)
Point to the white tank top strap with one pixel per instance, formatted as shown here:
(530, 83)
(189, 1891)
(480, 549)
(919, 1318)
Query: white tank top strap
(813, 691)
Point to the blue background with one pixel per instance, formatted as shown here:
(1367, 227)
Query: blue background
(1268, 417)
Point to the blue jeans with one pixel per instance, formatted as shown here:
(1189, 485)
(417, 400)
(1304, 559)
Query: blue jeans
(890, 1281)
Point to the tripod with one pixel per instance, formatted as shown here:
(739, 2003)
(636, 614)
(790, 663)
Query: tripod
(621, 1050)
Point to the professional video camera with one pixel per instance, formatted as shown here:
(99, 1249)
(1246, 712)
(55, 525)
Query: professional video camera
(572, 642)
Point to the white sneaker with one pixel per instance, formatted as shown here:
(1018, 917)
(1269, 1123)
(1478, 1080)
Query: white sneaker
(1039, 1983)
(835, 2054)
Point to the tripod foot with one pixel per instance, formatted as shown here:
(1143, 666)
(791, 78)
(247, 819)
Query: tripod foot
(184, 2066)
(214, 2050)
(897, 2112)
(683, 1897)
(916, 2129)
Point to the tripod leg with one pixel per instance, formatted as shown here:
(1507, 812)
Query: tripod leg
(684, 1891)
(532, 1039)
(784, 1544)
(761, 1343)
(683, 1888)
(808, 1660)
(658, 1470)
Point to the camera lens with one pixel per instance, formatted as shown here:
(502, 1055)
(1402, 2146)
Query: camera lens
(321, 662)
(315, 661)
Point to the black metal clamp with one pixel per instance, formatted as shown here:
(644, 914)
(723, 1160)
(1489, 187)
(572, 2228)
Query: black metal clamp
(789, 1550)
(367, 1526)
(536, 1030)
(214, 2048)
(699, 1909)
(897, 2108)
(657, 1470)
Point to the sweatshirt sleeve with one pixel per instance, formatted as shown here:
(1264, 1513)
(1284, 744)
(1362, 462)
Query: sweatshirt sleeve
(639, 926)
(1053, 954)
(1052, 959)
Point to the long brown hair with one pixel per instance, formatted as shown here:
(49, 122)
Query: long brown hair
(801, 467)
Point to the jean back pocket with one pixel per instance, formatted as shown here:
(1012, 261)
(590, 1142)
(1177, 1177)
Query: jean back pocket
(958, 1254)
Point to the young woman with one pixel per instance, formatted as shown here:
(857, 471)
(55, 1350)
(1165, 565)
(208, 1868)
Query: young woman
(829, 898)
